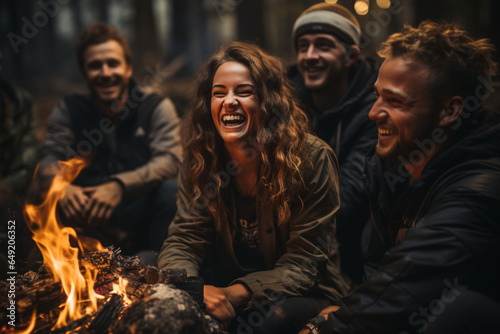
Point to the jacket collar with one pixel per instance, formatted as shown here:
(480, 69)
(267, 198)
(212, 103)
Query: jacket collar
(478, 138)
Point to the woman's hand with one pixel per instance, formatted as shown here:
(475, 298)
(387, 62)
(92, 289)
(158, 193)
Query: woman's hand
(222, 302)
(313, 325)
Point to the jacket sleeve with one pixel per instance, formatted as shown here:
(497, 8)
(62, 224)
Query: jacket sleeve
(189, 238)
(165, 148)
(24, 161)
(354, 210)
(58, 141)
(447, 250)
(311, 247)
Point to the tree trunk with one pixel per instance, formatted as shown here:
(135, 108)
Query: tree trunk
(146, 47)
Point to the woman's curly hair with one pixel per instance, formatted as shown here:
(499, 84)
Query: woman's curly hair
(279, 142)
(455, 60)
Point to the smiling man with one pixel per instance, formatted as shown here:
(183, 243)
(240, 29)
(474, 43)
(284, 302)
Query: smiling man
(129, 137)
(434, 179)
(335, 83)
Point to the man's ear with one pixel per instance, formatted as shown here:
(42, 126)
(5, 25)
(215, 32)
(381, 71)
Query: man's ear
(352, 55)
(452, 110)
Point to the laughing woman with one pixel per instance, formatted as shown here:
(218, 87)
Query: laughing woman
(257, 199)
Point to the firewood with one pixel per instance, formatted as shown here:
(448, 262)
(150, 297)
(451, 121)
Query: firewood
(163, 310)
(154, 275)
(162, 301)
(106, 315)
(194, 287)
(43, 296)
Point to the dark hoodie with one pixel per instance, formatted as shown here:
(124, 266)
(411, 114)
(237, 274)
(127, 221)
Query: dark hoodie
(349, 131)
(18, 142)
(449, 238)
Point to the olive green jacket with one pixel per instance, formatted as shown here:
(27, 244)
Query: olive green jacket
(301, 256)
(18, 141)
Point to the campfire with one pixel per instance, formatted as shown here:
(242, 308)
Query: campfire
(83, 287)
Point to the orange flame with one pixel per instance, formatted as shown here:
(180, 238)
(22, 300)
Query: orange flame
(121, 289)
(31, 326)
(59, 255)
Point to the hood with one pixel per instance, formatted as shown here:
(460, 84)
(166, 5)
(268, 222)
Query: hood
(362, 77)
(475, 139)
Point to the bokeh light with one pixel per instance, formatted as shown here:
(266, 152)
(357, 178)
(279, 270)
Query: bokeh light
(384, 4)
(361, 7)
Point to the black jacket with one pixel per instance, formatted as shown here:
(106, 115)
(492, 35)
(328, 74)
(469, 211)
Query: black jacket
(349, 121)
(18, 142)
(453, 244)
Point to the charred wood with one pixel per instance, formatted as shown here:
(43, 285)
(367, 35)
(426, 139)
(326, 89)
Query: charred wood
(163, 310)
(108, 313)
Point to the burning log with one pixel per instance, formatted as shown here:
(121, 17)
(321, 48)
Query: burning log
(162, 299)
(193, 285)
(164, 310)
(108, 313)
(154, 275)
(43, 295)
(83, 288)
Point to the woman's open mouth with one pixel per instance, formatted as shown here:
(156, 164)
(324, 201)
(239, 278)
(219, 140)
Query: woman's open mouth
(233, 120)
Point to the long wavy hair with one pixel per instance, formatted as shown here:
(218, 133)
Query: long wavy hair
(279, 142)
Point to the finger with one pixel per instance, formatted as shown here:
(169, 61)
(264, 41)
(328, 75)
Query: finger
(220, 308)
(223, 315)
(329, 309)
(101, 214)
(75, 206)
(65, 209)
(81, 199)
(107, 214)
(70, 207)
(97, 214)
(70, 211)
(92, 211)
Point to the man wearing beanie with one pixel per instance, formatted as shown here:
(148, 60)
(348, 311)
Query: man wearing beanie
(335, 84)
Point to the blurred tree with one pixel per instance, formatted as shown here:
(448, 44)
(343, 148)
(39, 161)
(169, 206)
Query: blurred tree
(145, 41)
(189, 34)
(14, 46)
(494, 26)
(251, 21)
(180, 33)
(76, 14)
(102, 9)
